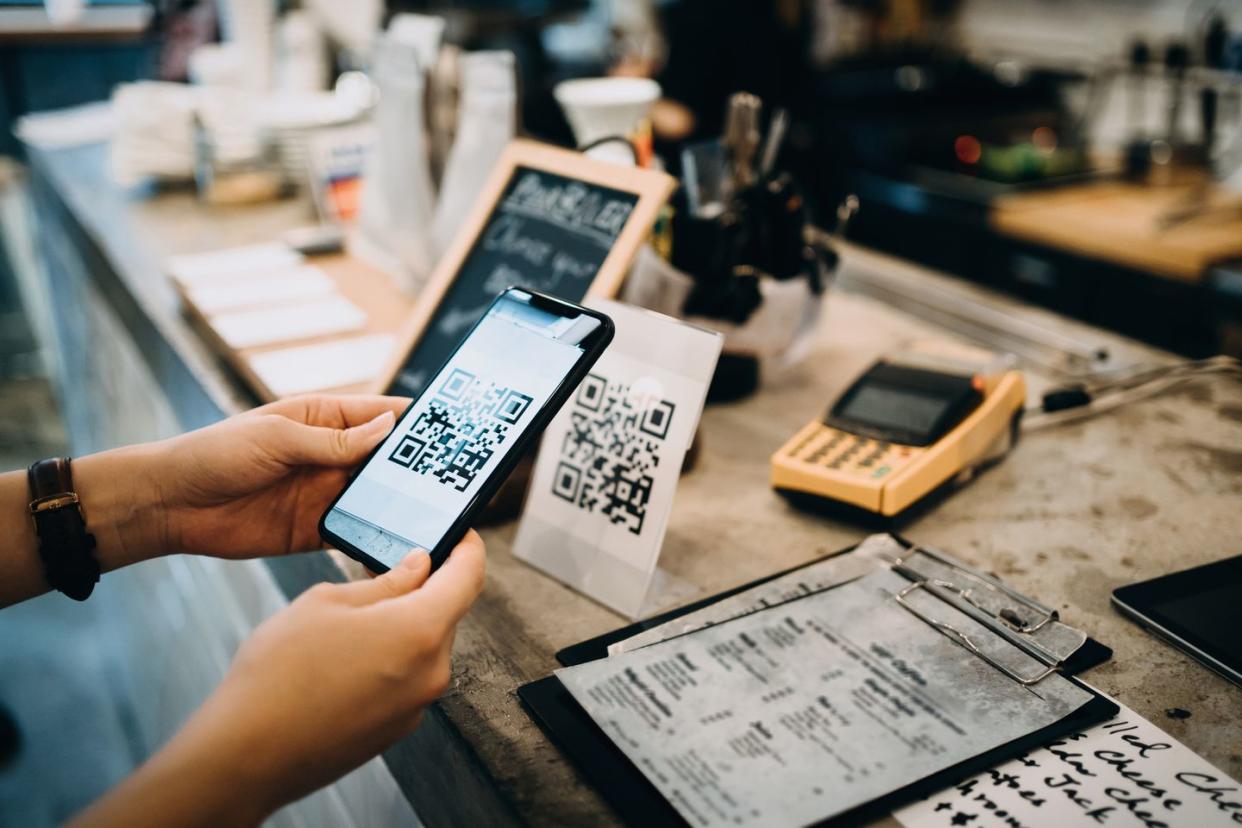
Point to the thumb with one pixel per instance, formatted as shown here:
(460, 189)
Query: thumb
(403, 578)
(303, 445)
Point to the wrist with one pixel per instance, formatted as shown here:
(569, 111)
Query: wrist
(122, 504)
(223, 749)
(195, 780)
(208, 774)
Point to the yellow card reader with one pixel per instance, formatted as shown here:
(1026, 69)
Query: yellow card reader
(908, 425)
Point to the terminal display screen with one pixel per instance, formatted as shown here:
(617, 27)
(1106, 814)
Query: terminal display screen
(902, 404)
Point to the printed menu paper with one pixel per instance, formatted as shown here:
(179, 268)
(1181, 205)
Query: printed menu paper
(812, 708)
(1124, 773)
(608, 467)
(800, 583)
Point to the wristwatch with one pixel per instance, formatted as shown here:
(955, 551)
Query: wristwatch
(65, 547)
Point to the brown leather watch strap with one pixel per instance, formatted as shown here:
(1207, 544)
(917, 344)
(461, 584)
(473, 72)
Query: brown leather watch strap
(66, 548)
(49, 477)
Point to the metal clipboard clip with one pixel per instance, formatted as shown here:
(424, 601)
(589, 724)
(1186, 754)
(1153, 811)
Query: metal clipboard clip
(1025, 615)
(962, 638)
(1016, 620)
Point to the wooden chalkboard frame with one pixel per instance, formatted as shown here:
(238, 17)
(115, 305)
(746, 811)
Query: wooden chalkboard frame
(652, 189)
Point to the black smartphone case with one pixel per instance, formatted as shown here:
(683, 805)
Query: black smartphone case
(506, 465)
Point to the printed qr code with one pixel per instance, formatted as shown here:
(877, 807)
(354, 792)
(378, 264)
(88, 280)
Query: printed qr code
(466, 421)
(610, 451)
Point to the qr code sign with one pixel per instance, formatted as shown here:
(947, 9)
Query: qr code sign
(610, 451)
(461, 428)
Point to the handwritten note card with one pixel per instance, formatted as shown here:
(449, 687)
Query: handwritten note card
(1124, 773)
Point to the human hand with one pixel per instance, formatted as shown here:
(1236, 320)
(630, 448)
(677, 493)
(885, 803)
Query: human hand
(257, 483)
(252, 485)
(341, 674)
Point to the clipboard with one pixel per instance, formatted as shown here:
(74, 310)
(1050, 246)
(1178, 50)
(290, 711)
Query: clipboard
(638, 802)
(1091, 654)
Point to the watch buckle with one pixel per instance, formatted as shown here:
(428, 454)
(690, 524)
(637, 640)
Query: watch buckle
(55, 501)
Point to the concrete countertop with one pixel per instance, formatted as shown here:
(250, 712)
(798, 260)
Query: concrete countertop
(1073, 513)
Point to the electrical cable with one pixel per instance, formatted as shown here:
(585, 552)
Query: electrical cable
(612, 139)
(1113, 390)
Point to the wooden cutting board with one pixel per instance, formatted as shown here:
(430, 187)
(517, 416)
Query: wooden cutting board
(372, 290)
(1122, 223)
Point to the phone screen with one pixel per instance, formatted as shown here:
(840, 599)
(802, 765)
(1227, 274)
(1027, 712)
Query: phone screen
(442, 450)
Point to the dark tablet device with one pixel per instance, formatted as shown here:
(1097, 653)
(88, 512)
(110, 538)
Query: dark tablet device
(1197, 610)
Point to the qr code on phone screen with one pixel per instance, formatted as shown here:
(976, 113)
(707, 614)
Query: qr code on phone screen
(610, 451)
(466, 421)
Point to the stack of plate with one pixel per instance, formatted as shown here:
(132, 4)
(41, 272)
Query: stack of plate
(292, 118)
(154, 133)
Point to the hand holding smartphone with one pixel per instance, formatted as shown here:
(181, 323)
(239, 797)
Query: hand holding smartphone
(448, 453)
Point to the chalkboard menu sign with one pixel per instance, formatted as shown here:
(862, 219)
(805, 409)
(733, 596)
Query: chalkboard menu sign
(550, 220)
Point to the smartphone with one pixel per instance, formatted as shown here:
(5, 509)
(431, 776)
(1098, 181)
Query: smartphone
(1195, 610)
(423, 486)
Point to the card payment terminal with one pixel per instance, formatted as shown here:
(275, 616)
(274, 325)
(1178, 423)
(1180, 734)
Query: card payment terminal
(909, 424)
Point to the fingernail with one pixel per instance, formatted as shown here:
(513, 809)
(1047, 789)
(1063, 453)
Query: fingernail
(414, 560)
(381, 422)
